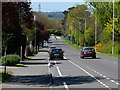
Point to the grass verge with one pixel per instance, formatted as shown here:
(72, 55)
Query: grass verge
(4, 76)
(20, 65)
(79, 48)
(72, 45)
(109, 54)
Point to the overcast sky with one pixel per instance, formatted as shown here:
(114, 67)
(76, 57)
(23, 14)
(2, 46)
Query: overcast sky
(54, 6)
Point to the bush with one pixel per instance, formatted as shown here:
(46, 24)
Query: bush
(11, 59)
(98, 47)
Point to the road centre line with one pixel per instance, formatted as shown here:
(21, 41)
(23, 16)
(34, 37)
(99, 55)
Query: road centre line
(59, 72)
(89, 74)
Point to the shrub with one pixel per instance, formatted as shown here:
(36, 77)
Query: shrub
(98, 47)
(11, 59)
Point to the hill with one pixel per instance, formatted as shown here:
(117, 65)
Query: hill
(54, 15)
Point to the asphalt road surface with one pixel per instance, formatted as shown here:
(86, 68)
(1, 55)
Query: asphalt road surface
(76, 73)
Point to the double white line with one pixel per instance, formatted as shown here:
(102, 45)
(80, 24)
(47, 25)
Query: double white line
(59, 72)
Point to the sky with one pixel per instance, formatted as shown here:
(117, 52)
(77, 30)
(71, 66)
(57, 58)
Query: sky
(54, 6)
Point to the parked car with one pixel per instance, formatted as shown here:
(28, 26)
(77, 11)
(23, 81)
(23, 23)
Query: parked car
(88, 52)
(49, 41)
(56, 53)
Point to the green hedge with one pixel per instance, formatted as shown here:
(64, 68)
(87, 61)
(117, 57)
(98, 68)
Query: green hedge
(11, 59)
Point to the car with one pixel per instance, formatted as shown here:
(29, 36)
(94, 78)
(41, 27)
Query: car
(49, 41)
(51, 47)
(56, 53)
(88, 52)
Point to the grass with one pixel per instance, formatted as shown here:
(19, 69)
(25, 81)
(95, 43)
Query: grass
(20, 65)
(4, 76)
(72, 45)
(109, 54)
(79, 48)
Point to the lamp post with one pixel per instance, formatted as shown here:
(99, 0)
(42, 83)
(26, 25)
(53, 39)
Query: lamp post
(113, 31)
(79, 30)
(75, 30)
(35, 50)
(85, 27)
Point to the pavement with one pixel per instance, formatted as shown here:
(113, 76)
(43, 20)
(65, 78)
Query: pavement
(35, 73)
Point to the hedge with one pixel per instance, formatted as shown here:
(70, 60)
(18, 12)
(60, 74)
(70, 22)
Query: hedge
(11, 59)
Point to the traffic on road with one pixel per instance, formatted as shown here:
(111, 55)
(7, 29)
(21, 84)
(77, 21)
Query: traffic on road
(75, 72)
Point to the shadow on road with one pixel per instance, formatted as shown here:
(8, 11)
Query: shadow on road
(43, 50)
(38, 59)
(29, 80)
(91, 58)
(32, 63)
(74, 80)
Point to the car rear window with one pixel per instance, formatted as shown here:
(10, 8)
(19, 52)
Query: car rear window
(57, 50)
(89, 49)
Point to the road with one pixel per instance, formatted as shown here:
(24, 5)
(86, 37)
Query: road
(74, 72)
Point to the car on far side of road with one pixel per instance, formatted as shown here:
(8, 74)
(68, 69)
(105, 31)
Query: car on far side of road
(56, 53)
(88, 52)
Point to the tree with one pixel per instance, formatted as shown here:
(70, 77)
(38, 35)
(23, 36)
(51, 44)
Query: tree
(16, 17)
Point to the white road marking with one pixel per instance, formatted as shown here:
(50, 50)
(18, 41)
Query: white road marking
(108, 78)
(65, 57)
(104, 76)
(65, 85)
(117, 83)
(59, 72)
(101, 74)
(112, 81)
(89, 74)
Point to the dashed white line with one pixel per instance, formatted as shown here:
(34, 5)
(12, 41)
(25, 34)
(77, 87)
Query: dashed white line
(108, 78)
(117, 83)
(89, 74)
(112, 81)
(103, 75)
(59, 72)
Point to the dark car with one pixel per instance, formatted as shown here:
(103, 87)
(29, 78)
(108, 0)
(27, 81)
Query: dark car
(88, 52)
(56, 53)
(51, 47)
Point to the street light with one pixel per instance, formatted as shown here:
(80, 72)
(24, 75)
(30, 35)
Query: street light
(113, 31)
(85, 26)
(79, 29)
(35, 36)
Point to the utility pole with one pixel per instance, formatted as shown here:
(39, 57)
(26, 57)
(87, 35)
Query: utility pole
(35, 48)
(95, 31)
